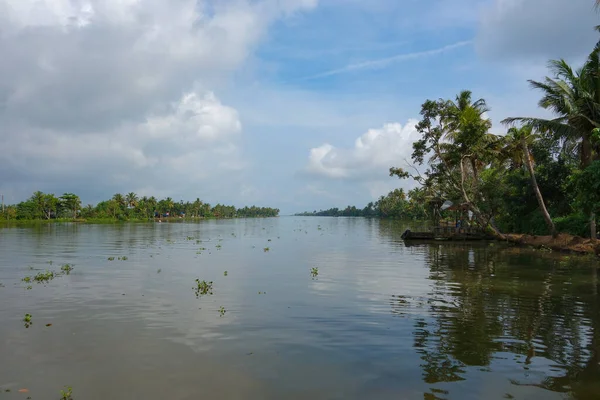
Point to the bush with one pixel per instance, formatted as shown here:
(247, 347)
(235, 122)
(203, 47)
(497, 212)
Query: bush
(574, 224)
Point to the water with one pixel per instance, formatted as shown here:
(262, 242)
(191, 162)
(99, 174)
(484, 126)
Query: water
(382, 320)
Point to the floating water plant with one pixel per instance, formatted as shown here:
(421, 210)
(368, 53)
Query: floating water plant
(44, 277)
(203, 288)
(27, 279)
(158, 271)
(314, 272)
(222, 310)
(266, 249)
(27, 320)
(111, 259)
(66, 269)
(218, 246)
(225, 273)
(66, 394)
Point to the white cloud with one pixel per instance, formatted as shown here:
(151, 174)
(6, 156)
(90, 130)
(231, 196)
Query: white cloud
(372, 155)
(107, 95)
(537, 29)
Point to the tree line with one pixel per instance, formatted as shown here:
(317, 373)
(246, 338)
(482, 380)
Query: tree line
(541, 176)
(48, 206)
(397, 205)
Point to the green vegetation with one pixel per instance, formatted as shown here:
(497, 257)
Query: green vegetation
(225, 273)
(541, 177)
(47, 207)
(266, 249)
(66, 394)
(66, 268)
(44, 277)
(222, 311)
(203, 288)
(27, 320)
(314, 272)
(396, 204)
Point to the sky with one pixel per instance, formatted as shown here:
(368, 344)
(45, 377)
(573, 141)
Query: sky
(295, 104)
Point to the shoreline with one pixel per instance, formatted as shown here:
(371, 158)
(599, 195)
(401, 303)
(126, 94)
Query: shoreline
(564, 243)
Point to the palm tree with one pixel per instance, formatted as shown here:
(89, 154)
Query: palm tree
(574, 97)
(131, 199)
(516, 148)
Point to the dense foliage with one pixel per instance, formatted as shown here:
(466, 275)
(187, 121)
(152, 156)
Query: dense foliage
(540, 177)
(46, 206)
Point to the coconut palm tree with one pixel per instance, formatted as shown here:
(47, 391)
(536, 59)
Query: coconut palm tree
(574, 97)
(131, 199)
(516, 149)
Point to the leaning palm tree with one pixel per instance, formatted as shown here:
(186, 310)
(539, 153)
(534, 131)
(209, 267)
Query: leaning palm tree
(516, 149)
(574, 97)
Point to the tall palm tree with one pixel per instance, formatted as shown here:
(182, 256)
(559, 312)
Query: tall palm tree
(131, 199)
(574, 97)
(517, 142)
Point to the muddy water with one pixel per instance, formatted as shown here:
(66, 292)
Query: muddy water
(380, 320)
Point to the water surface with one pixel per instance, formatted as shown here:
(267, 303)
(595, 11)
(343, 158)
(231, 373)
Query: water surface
(381, 320)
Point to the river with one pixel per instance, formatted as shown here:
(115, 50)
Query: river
(301, 308)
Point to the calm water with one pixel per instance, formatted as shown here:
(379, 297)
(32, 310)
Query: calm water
(380, 321)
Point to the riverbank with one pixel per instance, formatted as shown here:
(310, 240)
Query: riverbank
(563, 243)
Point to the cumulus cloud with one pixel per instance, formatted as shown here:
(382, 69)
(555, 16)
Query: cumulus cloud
(371, 157)
(123, 92)
(537, 29)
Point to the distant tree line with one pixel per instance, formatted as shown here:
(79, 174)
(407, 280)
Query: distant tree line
(47, 206)
(396, 204)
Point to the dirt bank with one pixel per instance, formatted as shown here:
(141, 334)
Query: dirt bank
(563, 242)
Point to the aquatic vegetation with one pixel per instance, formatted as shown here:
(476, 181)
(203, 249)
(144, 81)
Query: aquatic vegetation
(66, 394)
(222, 310)
(44, 277)
(2, 284)
(266, 249)
(190, 238)
(262, 292)
(123, 258)
(198, 241)
(158, 271)
(27, 320)
(67, 268)
(218, 246)
(314, 272)
(225, 273)
(203, 288)
(29, 287)
(111, 258)
(27, 279)
(269, 240)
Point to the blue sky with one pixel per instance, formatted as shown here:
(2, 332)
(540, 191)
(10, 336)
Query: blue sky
(298, 104)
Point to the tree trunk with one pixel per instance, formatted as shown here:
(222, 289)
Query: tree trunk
(536, 190)
(481, 220)
(593, 233)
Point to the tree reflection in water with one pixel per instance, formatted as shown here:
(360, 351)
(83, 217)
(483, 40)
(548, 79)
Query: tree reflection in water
(491, 304)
